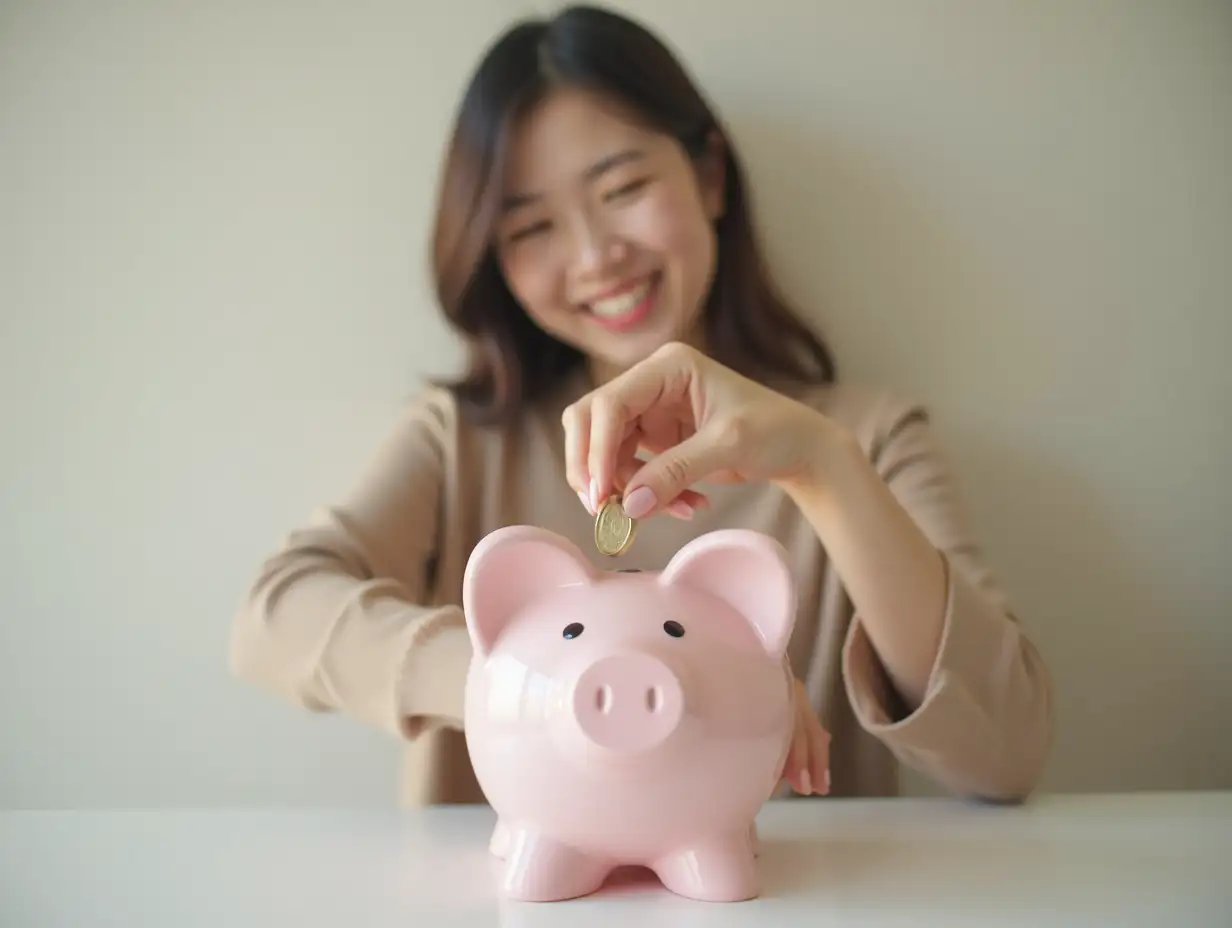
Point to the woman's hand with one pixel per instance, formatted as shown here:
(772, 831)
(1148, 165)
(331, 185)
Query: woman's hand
(808, 762)
(700, 421)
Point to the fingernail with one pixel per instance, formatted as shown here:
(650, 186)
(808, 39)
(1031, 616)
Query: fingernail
(586, 502)
(639, 502)
(594, 496)
(680, 509)
(806, 781)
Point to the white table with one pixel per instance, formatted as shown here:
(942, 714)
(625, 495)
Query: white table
(1147, 859)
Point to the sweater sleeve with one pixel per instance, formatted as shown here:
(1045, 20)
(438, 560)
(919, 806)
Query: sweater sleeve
(985, 726)
(335, 619)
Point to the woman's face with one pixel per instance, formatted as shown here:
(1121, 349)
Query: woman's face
(607, 235)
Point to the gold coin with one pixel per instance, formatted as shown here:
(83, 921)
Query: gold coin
(613, 529)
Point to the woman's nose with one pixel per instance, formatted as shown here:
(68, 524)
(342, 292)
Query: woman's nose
(597, 248)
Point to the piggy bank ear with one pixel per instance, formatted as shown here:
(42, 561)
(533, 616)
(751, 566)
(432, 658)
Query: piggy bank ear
(510, 568)
(749, 572)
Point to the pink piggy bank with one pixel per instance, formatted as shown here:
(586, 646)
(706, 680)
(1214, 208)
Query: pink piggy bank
(628, 718)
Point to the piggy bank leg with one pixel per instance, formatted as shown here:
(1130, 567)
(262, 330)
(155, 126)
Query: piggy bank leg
(754, 840)
(540, 869)
(716, 869)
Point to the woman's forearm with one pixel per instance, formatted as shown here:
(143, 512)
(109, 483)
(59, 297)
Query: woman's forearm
(894, 575)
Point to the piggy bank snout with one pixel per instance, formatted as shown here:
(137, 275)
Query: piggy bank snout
(628, 703)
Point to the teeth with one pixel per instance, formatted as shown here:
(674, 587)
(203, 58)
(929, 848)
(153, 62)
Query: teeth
(619, 305)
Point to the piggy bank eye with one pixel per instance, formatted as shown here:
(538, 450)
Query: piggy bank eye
(673, 628)
(573, 629)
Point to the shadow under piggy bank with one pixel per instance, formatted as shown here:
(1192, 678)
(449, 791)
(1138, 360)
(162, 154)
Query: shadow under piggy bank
(785, 868)
(789, 871)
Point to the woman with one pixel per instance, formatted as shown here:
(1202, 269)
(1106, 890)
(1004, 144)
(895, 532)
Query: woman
(595, 247)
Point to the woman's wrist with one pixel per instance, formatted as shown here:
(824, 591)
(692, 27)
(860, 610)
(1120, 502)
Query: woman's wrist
(830, 458)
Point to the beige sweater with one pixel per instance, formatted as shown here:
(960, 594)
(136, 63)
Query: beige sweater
(358, 611)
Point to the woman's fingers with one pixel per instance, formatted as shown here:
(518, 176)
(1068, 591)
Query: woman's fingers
(611, 426)
(627, 464)
(808, 761)
(667, 476)
(640, 404)
(612, 412)
(660, 430)
(797, 772)
(576, 422)
(682, 507)
(819, 756)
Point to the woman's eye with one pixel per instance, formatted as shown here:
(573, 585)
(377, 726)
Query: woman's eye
(627, 189)
(527, 231)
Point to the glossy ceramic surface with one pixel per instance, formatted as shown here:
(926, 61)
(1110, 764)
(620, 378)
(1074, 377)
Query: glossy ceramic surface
(628, 718)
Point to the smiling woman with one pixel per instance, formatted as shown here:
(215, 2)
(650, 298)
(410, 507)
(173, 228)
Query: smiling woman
(593, 208)
(595, 249)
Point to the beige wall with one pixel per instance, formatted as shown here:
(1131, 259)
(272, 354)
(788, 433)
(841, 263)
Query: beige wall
(1020, 212)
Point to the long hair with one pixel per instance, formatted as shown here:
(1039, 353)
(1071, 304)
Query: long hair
(510, 359)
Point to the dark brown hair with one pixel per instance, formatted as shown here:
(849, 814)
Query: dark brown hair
(511, 360)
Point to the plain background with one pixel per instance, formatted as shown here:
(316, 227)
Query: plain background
(212, 275)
